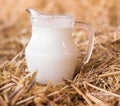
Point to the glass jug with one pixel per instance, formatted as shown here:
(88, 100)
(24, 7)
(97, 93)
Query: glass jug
(51, 50)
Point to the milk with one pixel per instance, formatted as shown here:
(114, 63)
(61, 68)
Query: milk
(51, 51)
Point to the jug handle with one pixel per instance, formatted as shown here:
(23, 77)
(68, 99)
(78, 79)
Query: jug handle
(91, 34)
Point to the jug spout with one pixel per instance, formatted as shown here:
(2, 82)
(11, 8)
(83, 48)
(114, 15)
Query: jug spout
(33, 12)
(42, 19)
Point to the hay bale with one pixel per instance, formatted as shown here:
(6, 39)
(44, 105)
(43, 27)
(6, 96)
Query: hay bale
(96, 84)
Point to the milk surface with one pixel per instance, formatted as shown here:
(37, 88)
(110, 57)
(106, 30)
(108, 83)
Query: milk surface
(51, 51)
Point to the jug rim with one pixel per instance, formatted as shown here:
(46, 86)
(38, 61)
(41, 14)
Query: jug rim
(53, 15)
(42, 18)
(36, 14)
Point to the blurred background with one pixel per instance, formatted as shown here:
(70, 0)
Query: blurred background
(15, 22)
(99, 13)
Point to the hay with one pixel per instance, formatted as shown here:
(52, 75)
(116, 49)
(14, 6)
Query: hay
(97, 84)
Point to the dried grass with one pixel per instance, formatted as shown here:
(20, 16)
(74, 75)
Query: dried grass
(97, 84)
